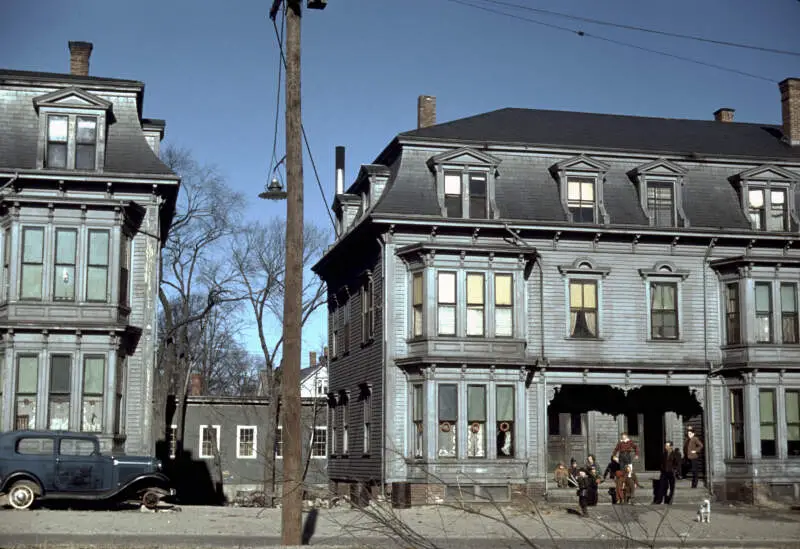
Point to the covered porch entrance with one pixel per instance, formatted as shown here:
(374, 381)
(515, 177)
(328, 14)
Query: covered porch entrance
(588, 419)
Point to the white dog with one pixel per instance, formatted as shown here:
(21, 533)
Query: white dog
(704, 512)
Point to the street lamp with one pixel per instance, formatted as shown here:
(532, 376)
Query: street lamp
(274, 191)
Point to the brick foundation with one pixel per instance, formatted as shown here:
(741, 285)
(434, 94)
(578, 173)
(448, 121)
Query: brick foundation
(426, 494)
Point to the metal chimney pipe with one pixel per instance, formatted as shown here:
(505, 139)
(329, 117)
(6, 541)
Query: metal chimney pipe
(339, 170)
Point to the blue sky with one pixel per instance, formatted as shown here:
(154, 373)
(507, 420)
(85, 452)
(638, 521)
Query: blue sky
(210, 69)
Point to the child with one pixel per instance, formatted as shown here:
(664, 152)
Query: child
(584, 487)
(562, 476)
(624, 448)
(595, 477)
(613, 467)
(630, 482)
(573, 472)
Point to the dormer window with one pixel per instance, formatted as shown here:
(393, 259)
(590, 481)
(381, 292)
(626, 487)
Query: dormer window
(57, 130)
(580, 181)
(581, 200)
(661, 203)
(85, 143)
(766, 209)
(767, 194)
(660, 185)
(465, 183)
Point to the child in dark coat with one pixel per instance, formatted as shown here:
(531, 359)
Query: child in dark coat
(611, 473)
(584, 489)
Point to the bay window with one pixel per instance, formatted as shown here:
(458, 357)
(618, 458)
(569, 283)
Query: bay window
(64, 279)
(97, 266)
(416, 305)
(32, 263)
(503, 305)
(27, 389)
(763, 292)
(446, 296)
(60, 390)
(448, 419)
(475, 304)
(766, 408)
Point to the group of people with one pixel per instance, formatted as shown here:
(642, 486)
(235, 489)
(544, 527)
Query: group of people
(620, 470)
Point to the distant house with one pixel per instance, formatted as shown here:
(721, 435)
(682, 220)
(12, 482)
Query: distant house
(85, 206)
(236, 426)
(515, 288)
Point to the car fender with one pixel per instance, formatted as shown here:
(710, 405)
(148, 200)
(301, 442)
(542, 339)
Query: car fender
(9, 481)
(141, 482)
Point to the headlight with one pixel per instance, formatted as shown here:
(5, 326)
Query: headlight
(158, 464)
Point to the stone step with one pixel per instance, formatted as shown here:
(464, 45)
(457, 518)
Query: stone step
(684, 493)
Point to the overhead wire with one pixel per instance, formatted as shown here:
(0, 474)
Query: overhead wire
(582, 33)
(279, 38)
(643, 29)
(274, 164)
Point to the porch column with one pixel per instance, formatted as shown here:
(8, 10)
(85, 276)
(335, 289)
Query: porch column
(431, 415)
(780, 418)
(109, 404)
(8, 377)
(752, 420)
(716, 429)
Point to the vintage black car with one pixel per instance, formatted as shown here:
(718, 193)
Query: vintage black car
(52, 465)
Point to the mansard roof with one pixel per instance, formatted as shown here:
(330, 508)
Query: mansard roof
(612, 132)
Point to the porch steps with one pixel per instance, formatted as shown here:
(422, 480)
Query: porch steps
(684, 493)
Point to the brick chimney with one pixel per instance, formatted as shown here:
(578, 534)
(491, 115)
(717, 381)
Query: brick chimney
(724, 114)
(79, 53)
(312, 359)
(426, 111)
(790, 108)
(196, 385)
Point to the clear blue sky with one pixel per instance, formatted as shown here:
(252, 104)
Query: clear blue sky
(210, 69)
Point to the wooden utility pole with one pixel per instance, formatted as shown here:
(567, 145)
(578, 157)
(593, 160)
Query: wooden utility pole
(292, 490)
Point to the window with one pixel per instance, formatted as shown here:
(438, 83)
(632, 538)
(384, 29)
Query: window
(476, 421)
(334, 418)
(209, 440)
(417, 416)
(503, 305)
(345, 417)
(477, 196)
(581, 200)
(97, 268)
(661, 203)
(346, 326)
(793, 423)
(322, 387)
(763, 312)
(447, 303)
(505, 420)
(448, 418)
(475, 304)
(124, 270)
(36, 446)
(663, 310)
(94, 369)
(32, 259)
(334, 323)
(366, 410)
(319, 446)
(575, 424)
(173, 441)
(789, 327)
(766, 409)
(766, 209)
(77, 447)
(737, 423)
(85, 143)
(27, 382)
(452, 194)
(416, 303)
(367, 311)
(58, 404)
(246, 441)
(733, 331)
(64, 283)
(583, 308)
(57, 130)
(279, 442)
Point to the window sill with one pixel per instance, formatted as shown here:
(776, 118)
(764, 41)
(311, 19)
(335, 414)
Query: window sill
(571, 338)
(666, 340)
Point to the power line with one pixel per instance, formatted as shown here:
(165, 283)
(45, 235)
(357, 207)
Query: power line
(644, 29)
(279, 38)
(274, 162)
(613, 41)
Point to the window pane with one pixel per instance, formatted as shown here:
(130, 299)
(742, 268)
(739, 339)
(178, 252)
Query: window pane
(476, 403)
(763, 297)
(503, 322)
(96, 280)
(60, 374)
(448, 403)
(87, 130)
(573, 190)
(756, 198)
(56, 155)
(505, 403)
(447, 320)
(777, 198)
(33, 244)
(589, 295)
(793, 406)
(417, 403)
(57, 128)
(85, 157)
(766, 406)
(98, 247)
(502, 289)
(788, 298)
(28, 375)
(417, 290)
(93, 375)
(575, 294)
(65, 246)
(31, 282)
(475, 321)
(587, 191)
(474, 289)
(452, 183)
(447, 287)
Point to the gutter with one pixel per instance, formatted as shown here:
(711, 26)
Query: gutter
(384, 368)
(707, 400)
(710, 249)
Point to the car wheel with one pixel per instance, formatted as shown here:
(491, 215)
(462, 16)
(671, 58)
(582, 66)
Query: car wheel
(150, 499)
(22, 495)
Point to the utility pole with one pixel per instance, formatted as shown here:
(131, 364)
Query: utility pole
(292, 490)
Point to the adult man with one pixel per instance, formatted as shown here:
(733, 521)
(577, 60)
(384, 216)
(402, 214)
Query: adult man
(670, 461)
(624, 450)
(691, 450)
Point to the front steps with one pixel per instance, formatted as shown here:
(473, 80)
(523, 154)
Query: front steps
(684, 493)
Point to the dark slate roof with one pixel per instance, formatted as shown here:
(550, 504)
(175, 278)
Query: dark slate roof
(73, 79)
(615, 132)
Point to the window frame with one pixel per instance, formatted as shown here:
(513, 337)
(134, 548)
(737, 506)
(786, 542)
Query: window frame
(580, 203)
(49, 142)
(200, 453)
(58, 265)
(463, 163)
(733, 318)
(451, 421)
(23, 262)
(417, 308)
(789, 314)
(446, 304)
(792, 424)
(766, 210)
(239, 429)
(51, 393)
(86, 143)
(334, 326)
(475, 307)
(583, 282)
(316, 430)
(773, 424)
(367, 311)
(472, 419)
(653, 201)
(278, 442)
(23, 395)
(344, 404)
(89, 265)
(417, 399)
(498, 307)
(101, 395)
(346, 326)
(172, 443)
(366, 416)
(735, 426)
(767, 314)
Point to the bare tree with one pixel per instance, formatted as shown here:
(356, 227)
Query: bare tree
(193, 283)
(259, 264)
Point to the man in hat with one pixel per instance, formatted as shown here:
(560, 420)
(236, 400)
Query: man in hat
(691, 451)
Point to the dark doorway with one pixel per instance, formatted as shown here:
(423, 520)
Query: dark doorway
(653, 440)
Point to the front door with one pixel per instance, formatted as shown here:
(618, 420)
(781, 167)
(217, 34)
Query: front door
(567, 439)
(653, 440)
(79, 466)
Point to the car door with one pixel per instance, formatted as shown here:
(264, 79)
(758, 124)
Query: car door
(79, 466)
(36, 455)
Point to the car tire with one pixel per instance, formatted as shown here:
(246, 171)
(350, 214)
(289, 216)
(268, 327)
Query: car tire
(150, 499)
(22, 495)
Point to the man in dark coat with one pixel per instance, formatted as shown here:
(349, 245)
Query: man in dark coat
(691, 451)
(665, 488)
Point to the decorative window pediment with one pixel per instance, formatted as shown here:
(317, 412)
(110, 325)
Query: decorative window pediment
(71, 97)
(767, 195)
(664, 269)
(660, 185)
(584, 266)
(580, 181)
(465, 183)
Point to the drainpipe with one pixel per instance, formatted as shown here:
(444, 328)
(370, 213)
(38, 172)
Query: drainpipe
(706, 363)
(384, 368)
(9, 182)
